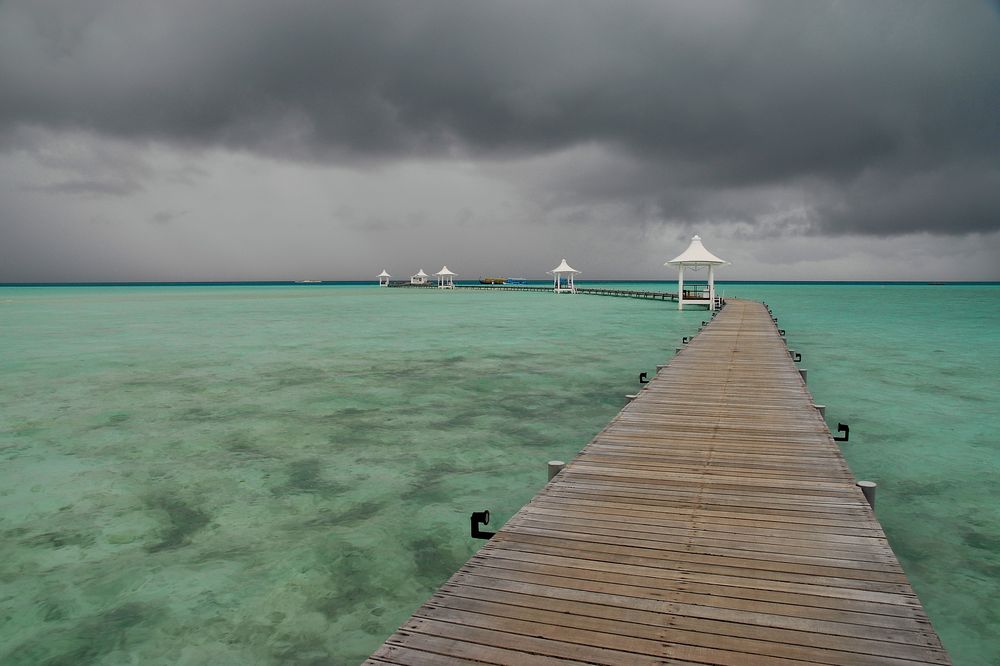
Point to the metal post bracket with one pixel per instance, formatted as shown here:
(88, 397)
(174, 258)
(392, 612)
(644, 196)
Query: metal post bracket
(477, 518)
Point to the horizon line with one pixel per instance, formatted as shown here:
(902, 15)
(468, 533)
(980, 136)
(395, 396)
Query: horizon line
(141, 283)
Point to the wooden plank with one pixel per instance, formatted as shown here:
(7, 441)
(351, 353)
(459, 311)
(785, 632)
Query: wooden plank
(713, 521)
(699, 633)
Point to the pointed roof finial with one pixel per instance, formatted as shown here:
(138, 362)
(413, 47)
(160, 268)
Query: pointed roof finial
(564, 268)
(696, 255)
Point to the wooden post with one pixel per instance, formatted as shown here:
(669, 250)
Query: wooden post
(803, 372)
(555, 466)
(821, 409)
(868, 488)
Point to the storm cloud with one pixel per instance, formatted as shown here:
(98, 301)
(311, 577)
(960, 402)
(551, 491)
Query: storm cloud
(821, 118)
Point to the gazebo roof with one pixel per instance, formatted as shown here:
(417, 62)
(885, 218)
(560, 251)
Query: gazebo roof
(420, 273)
(564, 268)
(384, 274)
(696, 255)
(444, 271)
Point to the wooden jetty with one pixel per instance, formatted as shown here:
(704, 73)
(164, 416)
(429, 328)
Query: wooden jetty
(594, 291)
(713, 521)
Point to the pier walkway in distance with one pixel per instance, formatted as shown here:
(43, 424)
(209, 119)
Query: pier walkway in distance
(594, 291)
(713, 521)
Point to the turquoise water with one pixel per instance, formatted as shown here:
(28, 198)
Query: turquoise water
(265, 475)
(242, 475)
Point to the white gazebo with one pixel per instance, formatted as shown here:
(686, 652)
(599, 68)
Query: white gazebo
(446, 279)
(383, 278)
(419, 278)
(696, 257)
(562, 275)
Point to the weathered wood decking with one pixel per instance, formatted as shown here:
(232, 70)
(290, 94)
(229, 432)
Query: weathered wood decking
(713, 521)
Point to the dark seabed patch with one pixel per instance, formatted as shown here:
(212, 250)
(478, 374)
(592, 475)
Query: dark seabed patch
(352, 581)
(981, 540)
(182, 521)
(433, 560)
(352, 515)
(305, 476)
(244, 444)
(60, 540)
(88, 641)
(295, 376)
(427, 487)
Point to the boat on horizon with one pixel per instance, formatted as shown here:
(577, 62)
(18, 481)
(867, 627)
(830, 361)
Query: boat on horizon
(491, 280)
(514, 280)
(308, 282)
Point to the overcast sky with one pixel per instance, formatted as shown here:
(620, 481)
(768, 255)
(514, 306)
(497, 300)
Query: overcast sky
(253, 139)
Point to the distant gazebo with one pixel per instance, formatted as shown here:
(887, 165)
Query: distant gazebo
(419, 278)
(383, 278)
(562, 282)
(446, 279)
(696, 257)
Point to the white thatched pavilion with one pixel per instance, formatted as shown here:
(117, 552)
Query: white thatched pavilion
(446, 279)
(696, 257)
(419, 278)
(383, 278)
(562, 275)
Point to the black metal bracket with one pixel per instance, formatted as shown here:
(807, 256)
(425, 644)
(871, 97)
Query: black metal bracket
(685, 340)
(781, 332)
(774, 319)
(477, 518)
(797, 357)
(844, 428)
(642, 378)
(704, 323)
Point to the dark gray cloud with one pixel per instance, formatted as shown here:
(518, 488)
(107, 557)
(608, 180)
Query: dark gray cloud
(166, 216)
(884, 115)
(97, 188)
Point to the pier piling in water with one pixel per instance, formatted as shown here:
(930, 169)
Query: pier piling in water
(868, 490)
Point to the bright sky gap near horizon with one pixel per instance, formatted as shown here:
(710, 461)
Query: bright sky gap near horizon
(147, 141)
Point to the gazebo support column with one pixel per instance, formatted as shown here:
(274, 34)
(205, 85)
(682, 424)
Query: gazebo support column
(680, 289)
(711, 287)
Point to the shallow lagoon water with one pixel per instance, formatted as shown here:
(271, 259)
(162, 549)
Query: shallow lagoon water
(263, 475)
(237, 475)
